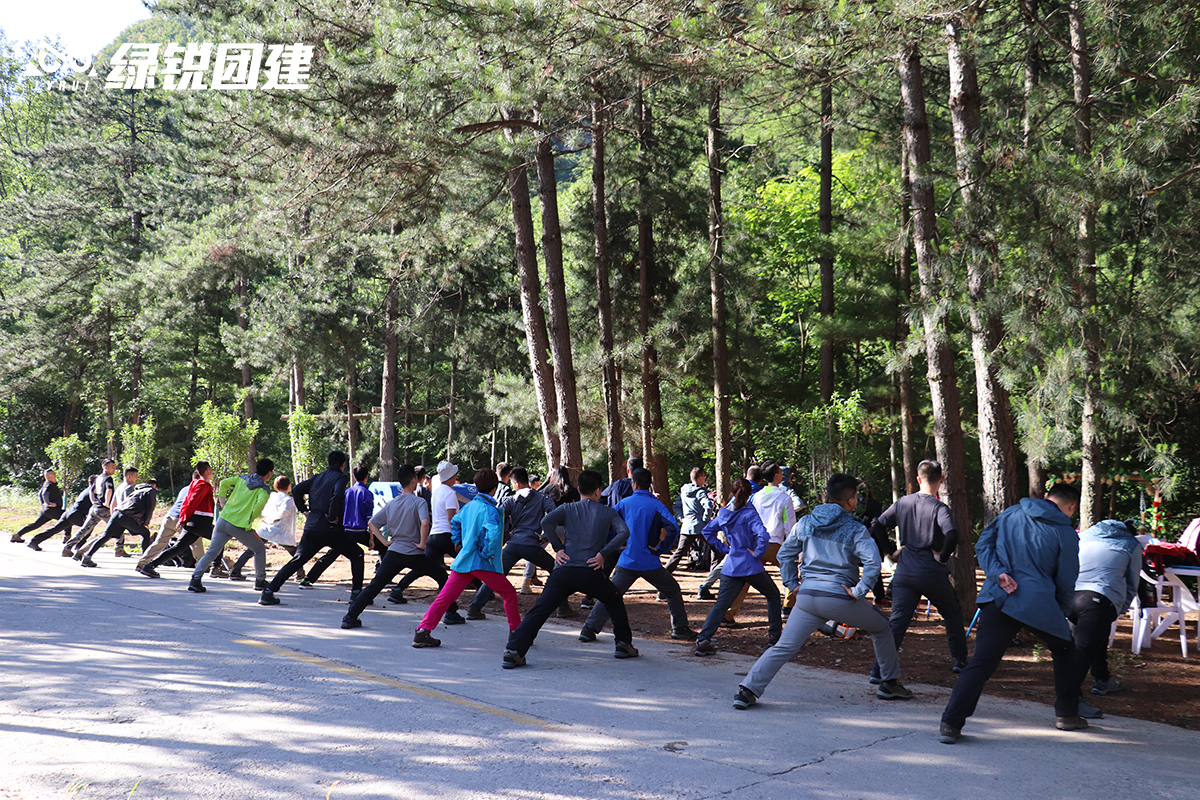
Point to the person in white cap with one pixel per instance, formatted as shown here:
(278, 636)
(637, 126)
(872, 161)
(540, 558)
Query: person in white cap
(444, 506)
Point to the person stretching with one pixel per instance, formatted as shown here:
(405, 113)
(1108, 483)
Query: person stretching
(579, 567)
(357, 507)
(131, 514)
(51, 498)
(478, 531)
(195, 520)
(832, 545)
(75, 515)
(244, 496)
(647, 518)
(746, 541)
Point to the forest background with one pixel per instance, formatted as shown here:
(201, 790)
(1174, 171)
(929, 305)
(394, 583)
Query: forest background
(843, 236)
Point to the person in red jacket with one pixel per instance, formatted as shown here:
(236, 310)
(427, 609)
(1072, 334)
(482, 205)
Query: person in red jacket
(195, 519)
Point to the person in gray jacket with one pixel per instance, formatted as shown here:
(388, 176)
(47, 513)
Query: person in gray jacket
(697, 509)
(593, 531)
(1110, 563)
(832, 546)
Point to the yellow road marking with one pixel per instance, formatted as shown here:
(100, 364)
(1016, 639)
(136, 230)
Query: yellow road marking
(412, 688)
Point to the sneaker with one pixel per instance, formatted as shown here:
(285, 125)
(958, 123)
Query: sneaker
(268, 598)
(1089, 711)
(625, 650)
(959, 665)
(422, 638)
(512, 660)
(1098, 686)
(893, 690)
(79, 555)
(194, 585)
(454, 618)
(148, 571)
(773, 639)
(729, 623)
(354, 593)
(34, 546)
(398, 599)
(587, 634)
(351, 622)
(705, 649)
(87, 562)
(744, 699)
(565, 611)
(236, 576)
(876, 679)
(16, 539)
(787, 612)
(305, 583)
(705, 594)
(260, 584)
(587, 602)
(684, 635)
(948, 734)
(1071, 723)
(475, 613)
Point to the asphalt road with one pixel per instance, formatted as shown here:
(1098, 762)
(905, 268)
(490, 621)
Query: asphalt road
(116, 686)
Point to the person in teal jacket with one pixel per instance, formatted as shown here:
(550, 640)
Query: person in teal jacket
(1030, 557)
(478, 530)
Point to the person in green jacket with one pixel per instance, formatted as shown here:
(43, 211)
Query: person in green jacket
(244, 497)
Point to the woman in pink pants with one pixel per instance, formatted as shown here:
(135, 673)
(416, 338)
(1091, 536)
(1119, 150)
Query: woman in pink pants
(479, 528)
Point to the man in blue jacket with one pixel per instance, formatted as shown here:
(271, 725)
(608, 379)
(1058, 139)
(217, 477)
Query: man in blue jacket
(648, 520)
(1030, 555)
(832, 545)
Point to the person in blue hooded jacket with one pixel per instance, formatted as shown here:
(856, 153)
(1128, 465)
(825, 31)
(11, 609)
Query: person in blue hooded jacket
(746, 540)
(831, 545)
(1110, 563)
(1030, 557)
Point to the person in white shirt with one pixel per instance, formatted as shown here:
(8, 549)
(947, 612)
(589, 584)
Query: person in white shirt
(278, 526)
(778, 515)
(444, 505)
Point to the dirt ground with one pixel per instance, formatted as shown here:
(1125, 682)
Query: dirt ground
(1160, 685)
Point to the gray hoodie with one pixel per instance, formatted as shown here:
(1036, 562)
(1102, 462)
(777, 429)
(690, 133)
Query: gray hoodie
(1110, 562)
(832, 545)
(588, 525)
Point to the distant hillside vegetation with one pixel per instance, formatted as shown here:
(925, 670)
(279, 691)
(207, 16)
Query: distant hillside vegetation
(162, 28)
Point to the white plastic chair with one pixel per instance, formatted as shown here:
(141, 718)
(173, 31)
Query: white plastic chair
(1150, 622)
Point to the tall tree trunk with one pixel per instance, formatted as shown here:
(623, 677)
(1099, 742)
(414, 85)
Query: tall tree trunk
(908, 444)
(825, 220)
(614, 435)
(531, 311)
(997, 438)
(353, 429)
(1089, 506)
(570, 445)
(722, 444)
(651, 393)
(408, 394)
(77, 402)
(110, 410)
(243, 321)
(943, 380)
(451, 408)
(391, 369)
(1032, 69)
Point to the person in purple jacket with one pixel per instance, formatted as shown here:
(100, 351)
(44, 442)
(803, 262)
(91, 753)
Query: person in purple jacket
(746, 540)
(357, 509)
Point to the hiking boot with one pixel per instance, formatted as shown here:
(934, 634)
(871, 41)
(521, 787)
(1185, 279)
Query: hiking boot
(16, 539)
(194, 585)
(453, 618)
(351, 622)
(1098, 686)
(744, 699)
(1089, 711)
(1071, 723)
(260, 584)
(526, 586)
(79, 555)
(305, 583)
(268, 598)
(34, 546)
(534, 580)
(948, 734)
(684, 635)
(565, 611)
(512, 660)
(705, 649)
(959, 665)
(705, 594)
(67, 552)
(398, 599)
(587, 634)
(87, 562)
(475, 613)
(148, 571)
(354, 593)
(422, 638)
(625, 650)
(123, 553)
(237, 576)
(893, 690)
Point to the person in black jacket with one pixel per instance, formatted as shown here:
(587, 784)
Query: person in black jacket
(51, 498)
(75, 515)
(102, 489)
(132, 514)
(321, 498)
(621, 488)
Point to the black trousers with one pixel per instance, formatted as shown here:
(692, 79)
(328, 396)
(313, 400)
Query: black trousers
(995, 633)
(514, 552)
(95, 516)
(562, 583)
(907, 591)
(196, 528)
(686, 544)
(311, 543)
(47, 515)
(1093, 615)
(64, 527)
(246, 555)
(731, 588)
(437, 547)
(391, 565)
(326, 561)
(119, 524)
